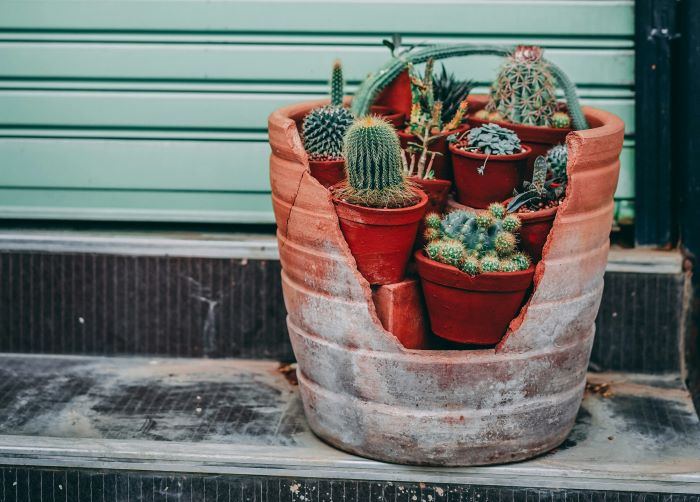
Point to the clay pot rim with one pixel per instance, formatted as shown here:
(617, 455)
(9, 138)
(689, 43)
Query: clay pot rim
(432, 181)
(524, 127)
(451, 277)
(379, 216)
(320, 162)
(499, 158)
(459, 130)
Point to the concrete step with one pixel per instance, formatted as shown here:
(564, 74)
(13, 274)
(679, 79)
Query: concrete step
(190, 294)
(93, 428)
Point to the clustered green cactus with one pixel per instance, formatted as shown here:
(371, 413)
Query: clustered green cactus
(539, 192)
(525, 91)
(324, 127)
(373, 163)
(492, 139)
(476, 242)
(557, 157)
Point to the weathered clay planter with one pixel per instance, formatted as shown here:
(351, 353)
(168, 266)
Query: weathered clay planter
(465, 309)
(364, 392)
(381, 240)
(328, 172)
(503, 173)
(442, 164)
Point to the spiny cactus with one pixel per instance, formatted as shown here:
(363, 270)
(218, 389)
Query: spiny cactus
(539, 193)
(524, 91)
(452, 93)
(373, 163)
(561, 120)
(324, 127)
(475, 242)
(557, 157)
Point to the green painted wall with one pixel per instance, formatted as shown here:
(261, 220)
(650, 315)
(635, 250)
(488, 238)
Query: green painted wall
(156, 110)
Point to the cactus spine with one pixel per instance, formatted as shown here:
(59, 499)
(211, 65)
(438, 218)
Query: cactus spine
(324, 127)
(475, 242)
(374, 166)
(557, 157)
(525, 91)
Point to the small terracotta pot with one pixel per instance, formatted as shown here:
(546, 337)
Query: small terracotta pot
(535, 230)
(328, 172)
(475, 310)
(395, 118)
(442, 164)
(539, 139)
(502, 174)
(381, 240)
(436, 190)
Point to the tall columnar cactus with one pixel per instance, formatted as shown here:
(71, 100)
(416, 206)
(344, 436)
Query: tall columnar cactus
(557, 157)
(475, 242)
(324, 127)
(525, 90)
(374, 167)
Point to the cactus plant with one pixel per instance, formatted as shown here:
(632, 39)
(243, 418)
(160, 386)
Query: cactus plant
(540, 193)
(452, 93)
(524, 91)
(475, 242)
(374, 167)
(561, 120)
(324, 127)
(556, 158)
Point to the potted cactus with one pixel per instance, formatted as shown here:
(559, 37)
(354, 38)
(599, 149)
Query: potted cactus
(557, 158)
(323, 129)
(537, 206)
(523, 98)
(488, 165)
(378, 209)
(473, 277)
(432, 120)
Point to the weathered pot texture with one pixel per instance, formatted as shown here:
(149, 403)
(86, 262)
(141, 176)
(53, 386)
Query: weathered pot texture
(495, 183)
(381, 240)
(442, 163)
(465, 309)
(366, 393)
(328, 172)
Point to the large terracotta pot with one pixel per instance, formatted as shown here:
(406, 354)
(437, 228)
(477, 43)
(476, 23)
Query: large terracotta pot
(465, 309)
(366, 393)
(501, 176)
(381, 240)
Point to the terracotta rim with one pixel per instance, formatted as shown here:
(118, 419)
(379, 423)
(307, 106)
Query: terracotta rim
(451, 277)
(380, 216)
(433, 181)
(523, 127)
(499, 158)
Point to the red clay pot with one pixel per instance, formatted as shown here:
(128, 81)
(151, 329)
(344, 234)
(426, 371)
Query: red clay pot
(381, 240)
(397, 95)
(436, 190)
(395, 118)
(442, 164)
(538, 138)
(502, 175)
(328, 172)
(534, 231)
(475, 310)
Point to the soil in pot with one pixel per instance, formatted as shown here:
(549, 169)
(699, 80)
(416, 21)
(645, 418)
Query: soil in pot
(395, 118)
(535, 229)
(500, 177)
(381, 240)
(442, 164)
(540, 139)
(328, 172)
(471, 309)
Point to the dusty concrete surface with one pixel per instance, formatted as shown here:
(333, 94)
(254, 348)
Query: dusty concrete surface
(223, 415)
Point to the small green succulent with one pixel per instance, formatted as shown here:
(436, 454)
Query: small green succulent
(492, 139)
